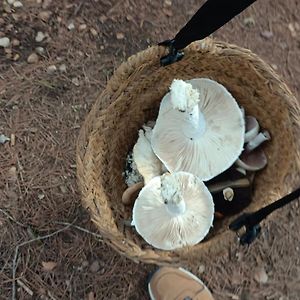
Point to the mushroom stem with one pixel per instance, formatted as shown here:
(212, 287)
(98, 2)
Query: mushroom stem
(172, 195)
(220, 186)
(176, 209)
(257, 141)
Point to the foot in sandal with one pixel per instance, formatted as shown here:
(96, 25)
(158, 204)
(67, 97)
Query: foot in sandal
(177, 284)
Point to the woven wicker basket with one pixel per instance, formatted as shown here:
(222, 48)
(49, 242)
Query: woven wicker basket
(132, 97)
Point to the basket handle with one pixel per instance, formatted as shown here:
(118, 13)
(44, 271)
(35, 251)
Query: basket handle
(211, 16)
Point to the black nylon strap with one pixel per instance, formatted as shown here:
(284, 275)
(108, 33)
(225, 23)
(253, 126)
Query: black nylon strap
(212, 15)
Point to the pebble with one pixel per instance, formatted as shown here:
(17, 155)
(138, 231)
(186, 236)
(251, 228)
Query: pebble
(39, 37)
(261, 276)
(4, 42)
(15, 42)
(120, 36)
(95, 267)
(10, 2)
(17, 4)
(93, 31)
(62, 68)
(75, 81)
(267, 34)
(82, 27)
(32, 58)
(51, 69)
(44, 15)
(40, 50)
(103, 18)
(71, 26)
(16, 57)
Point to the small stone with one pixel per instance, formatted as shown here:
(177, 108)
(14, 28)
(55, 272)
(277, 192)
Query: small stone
(4, 42)
(46, 3)
(8, 50)
(75, 81)
(292, 29)
(249, 22)
(267, 34)
(93, 31)
(63, 189)
(39, 1)
(62, 68)
(40, 50)
(51, 69)
(275, 67)
(12, 174)
(103, 18)
(102, 47)
(260, 275)
(39, 37)
(85, 263)
(32, 58)
(17, 4)
(41, 196)
(16, 17)
(4, 139)
(59, 19)
(15, 42)
(95, 266)
(10, 2)
(71, 26)
(167, 3)
(201, 269)
(44, 15)
(16, 57)
(82, 27)
(120, 36)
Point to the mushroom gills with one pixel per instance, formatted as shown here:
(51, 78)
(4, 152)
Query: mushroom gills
(252, 161)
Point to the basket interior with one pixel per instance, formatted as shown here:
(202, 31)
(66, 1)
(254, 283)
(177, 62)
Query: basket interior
(137, 100)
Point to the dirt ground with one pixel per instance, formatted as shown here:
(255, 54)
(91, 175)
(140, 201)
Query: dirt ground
(43, 103)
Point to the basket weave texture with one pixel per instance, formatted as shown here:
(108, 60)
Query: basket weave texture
(132, 97)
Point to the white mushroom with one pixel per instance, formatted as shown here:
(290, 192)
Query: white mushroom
(146, 161)
(252, 161)
(258, 140)
(173, 210)
(200, 128)
(252, 128)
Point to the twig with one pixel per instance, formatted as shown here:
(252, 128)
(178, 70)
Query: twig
(14, 268)
(11, 218)
(26, 288)
(81, 229)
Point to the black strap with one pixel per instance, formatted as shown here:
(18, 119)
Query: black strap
(251, 220)
(212, 15)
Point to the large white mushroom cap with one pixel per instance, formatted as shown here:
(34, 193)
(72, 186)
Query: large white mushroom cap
(204, 135)
(173, 210)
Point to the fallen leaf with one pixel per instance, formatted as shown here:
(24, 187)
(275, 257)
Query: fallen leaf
(4, 139)
(49, 265)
